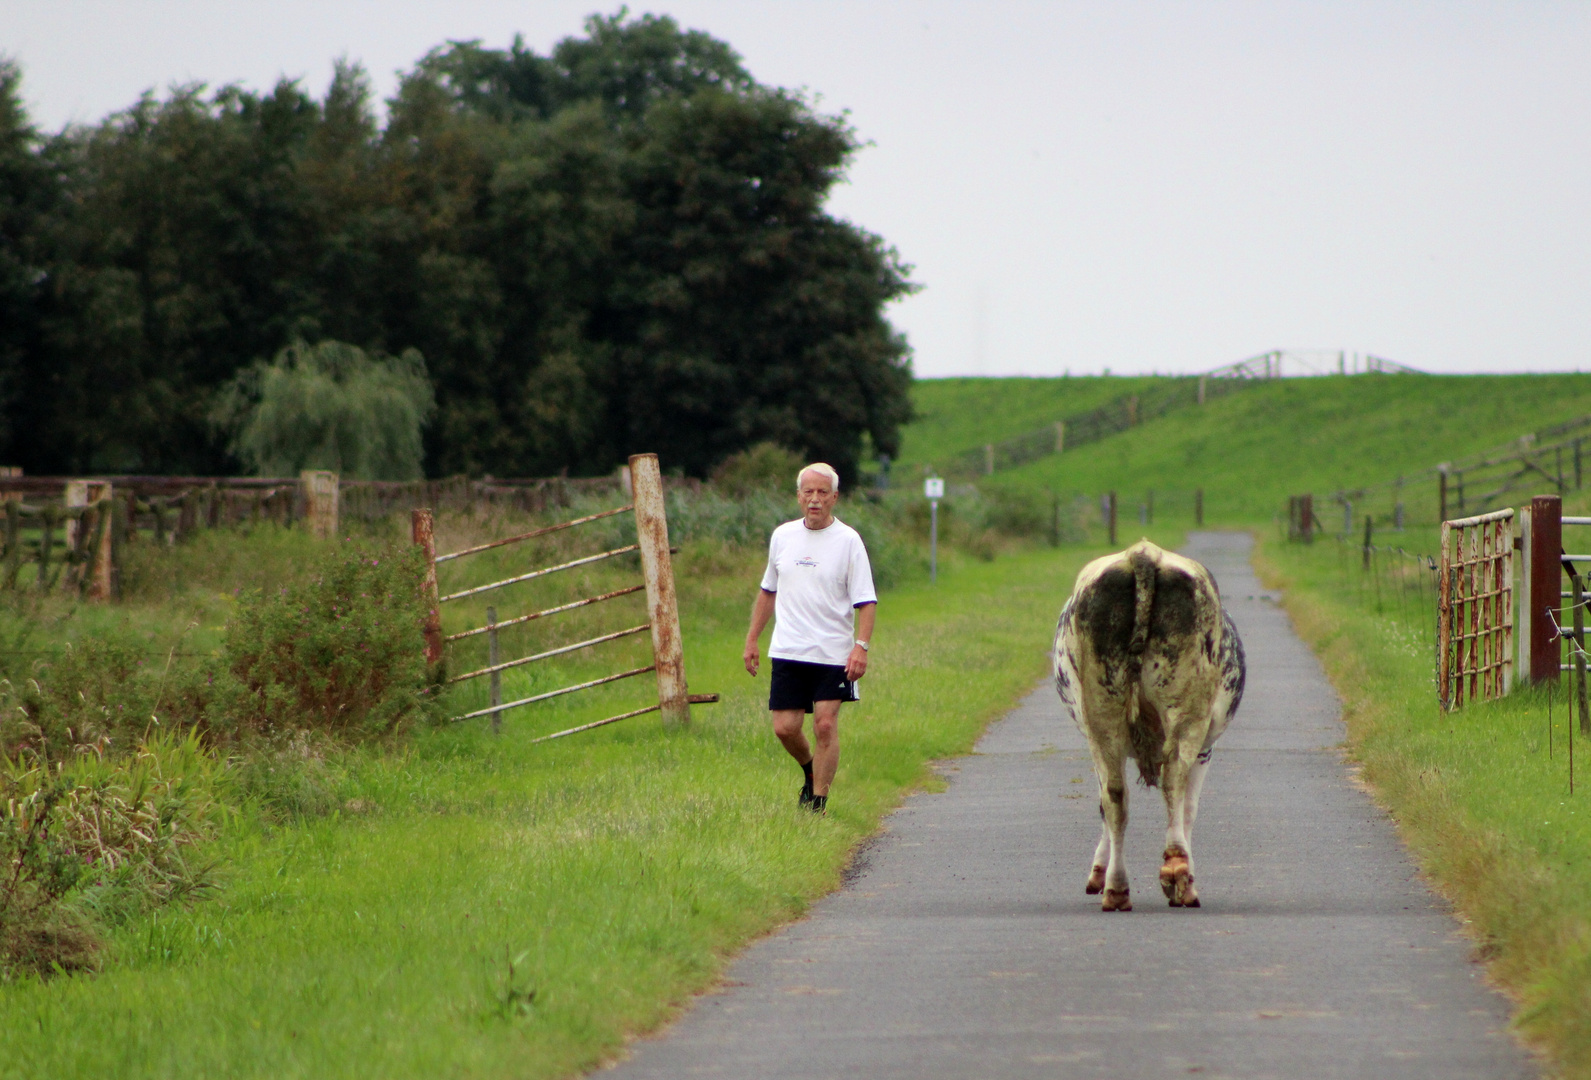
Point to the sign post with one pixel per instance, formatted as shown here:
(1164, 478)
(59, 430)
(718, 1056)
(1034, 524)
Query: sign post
(934, 488)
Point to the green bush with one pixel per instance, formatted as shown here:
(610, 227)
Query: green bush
(340, 654)
(765, 467)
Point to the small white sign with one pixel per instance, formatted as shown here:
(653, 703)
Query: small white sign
(934, 488)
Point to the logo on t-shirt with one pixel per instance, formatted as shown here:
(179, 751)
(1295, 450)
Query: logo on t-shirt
(806, 560)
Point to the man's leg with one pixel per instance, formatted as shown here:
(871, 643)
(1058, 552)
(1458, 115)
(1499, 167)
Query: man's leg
(787, 725)
(826, 733)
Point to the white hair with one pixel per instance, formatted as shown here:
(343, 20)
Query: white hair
(822, 470)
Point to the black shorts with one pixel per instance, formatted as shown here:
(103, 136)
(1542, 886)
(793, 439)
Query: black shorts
(796, 684)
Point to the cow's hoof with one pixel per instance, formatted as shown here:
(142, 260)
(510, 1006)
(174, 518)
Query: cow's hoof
(1117, 901)
(1096, 881)
(1175, 869)
(1176, 881)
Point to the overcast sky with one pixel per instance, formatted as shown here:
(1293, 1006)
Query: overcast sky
(1138, 186)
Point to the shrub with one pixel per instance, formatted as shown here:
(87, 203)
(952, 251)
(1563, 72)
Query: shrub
(765, 467)
(709, 516)
(341, 653)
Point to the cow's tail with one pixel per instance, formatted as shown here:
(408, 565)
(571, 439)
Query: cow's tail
(1145, 568)
(1144, 730)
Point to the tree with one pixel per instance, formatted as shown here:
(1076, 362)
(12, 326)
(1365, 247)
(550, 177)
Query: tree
(620, 246)
(329, 406)
(669, 280)
(27, 193)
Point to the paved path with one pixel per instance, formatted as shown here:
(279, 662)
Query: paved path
(963, 946)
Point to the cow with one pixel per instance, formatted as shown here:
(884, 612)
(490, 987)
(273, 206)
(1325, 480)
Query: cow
(1149, 666)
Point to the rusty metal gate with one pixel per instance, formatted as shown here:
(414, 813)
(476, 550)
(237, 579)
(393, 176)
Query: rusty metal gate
(1475, 609)
(668, 656)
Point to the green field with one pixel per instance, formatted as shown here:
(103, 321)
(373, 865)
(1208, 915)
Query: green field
(1249, 450)
(478, 906)
(463, 904)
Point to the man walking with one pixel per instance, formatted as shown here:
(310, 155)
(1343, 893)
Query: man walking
(817, 576)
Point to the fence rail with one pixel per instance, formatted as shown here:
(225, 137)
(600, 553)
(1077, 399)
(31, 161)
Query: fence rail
(1475, 615)
(559, 651)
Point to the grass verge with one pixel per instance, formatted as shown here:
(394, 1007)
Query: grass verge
(477, 906)
(1481, 795)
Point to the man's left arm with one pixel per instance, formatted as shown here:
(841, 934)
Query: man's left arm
(856, 665)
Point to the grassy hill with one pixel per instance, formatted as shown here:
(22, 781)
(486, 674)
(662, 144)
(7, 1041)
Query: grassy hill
(955, 415)
(1250, 450)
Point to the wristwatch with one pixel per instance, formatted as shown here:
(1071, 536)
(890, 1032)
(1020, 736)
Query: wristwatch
(863, 644)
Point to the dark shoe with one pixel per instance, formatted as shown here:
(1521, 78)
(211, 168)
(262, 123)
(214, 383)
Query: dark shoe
(806, 796)
(819, 804)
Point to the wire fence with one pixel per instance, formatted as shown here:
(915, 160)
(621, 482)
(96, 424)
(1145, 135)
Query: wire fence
(1393, 581)
(1554, 458)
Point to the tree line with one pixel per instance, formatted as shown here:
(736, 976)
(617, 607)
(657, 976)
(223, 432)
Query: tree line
(618, 246)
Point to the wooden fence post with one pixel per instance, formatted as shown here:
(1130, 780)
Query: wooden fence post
(1368, 535)
(13, 542)
(129, 520)
(651, 529)
(422, 529)
(1306, 512)
(320, 502)
(1198, 500)
(1060, 437)
(94, 573)
(1441, 493)
(100, 537)
(1544, 582)
(1111, 517)
(46, 541)
(188, 515)
(988, 459)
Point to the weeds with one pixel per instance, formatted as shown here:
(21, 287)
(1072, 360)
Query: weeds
(96, 840)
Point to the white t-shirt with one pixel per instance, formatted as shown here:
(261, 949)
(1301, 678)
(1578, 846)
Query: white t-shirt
(819, 576)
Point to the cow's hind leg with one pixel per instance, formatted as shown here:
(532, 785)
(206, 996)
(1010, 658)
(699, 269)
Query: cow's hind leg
(1181, 791)
(1113, 806)
(1096, 872)
(1190, 802)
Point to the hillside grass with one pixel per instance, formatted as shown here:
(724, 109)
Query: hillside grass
(954, 415)
(476, 906)
(1250, 450)
(1481, 795)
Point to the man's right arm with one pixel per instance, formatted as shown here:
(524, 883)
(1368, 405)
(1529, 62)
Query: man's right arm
(761, 612)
